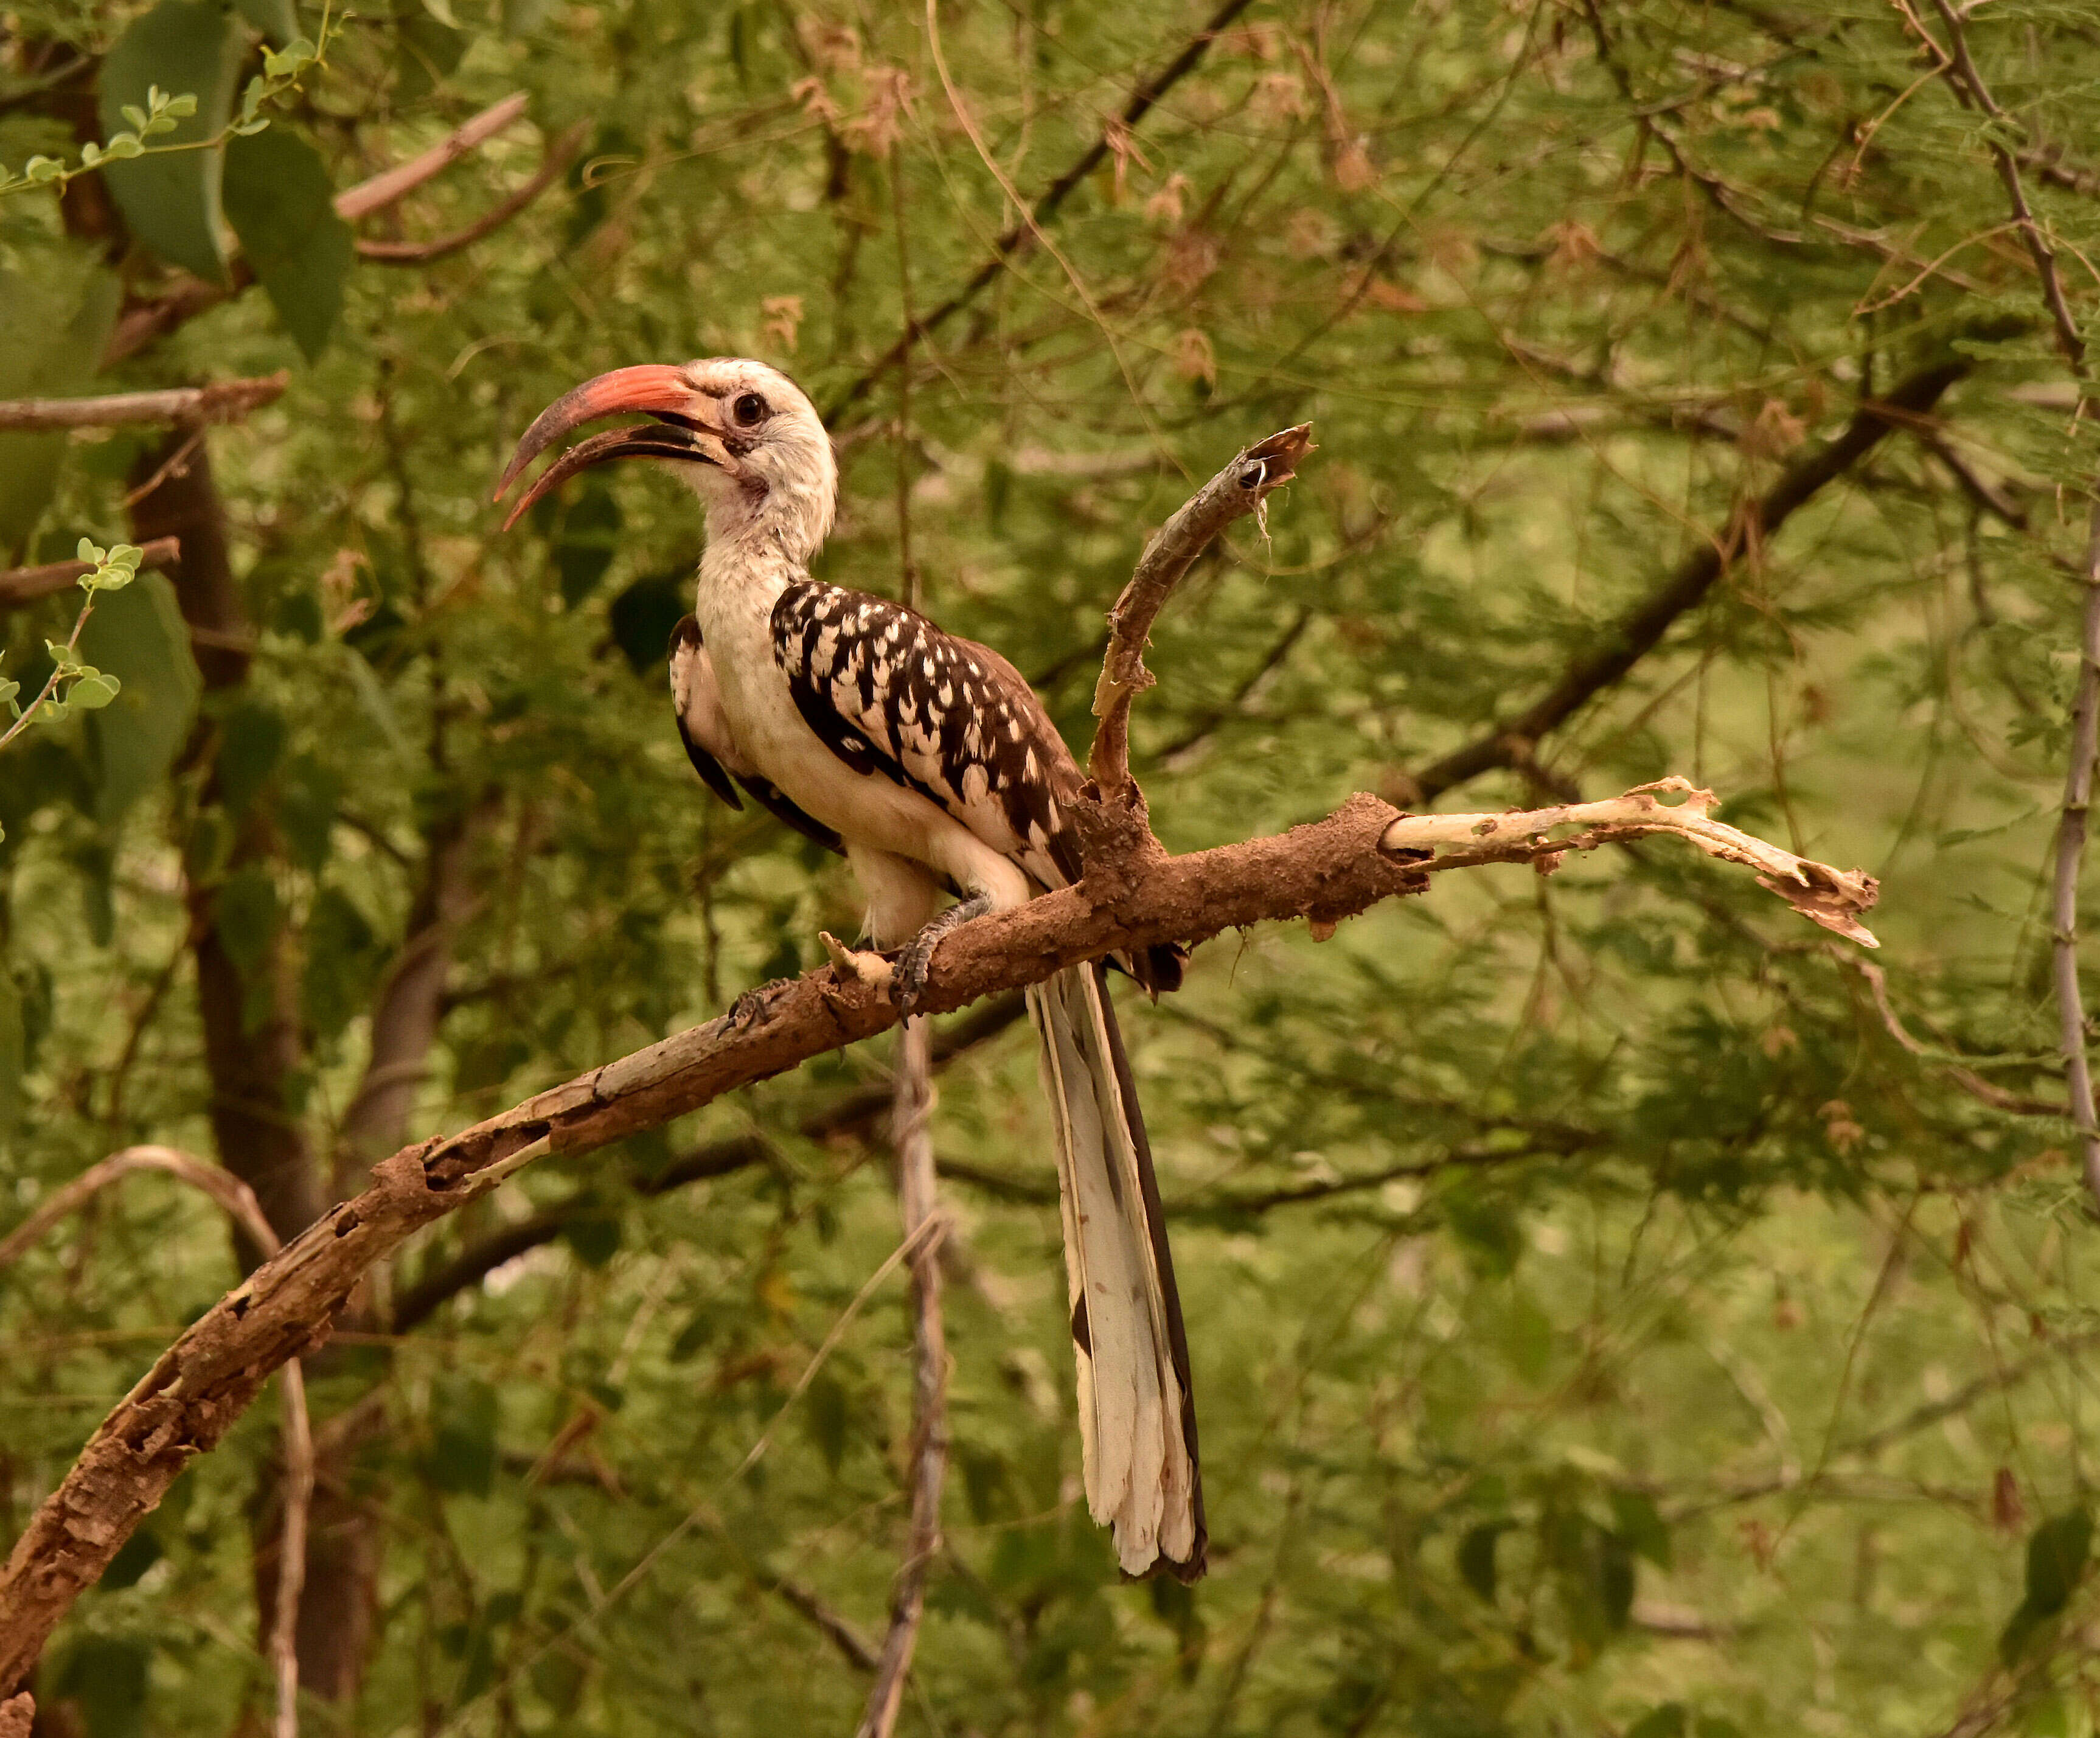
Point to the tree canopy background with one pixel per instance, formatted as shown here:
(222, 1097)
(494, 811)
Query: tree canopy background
(1609, 1315)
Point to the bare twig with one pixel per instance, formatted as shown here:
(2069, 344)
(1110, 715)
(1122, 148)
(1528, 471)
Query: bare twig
(2070, 859)
(1637, 632)
(238, 1203)
(836, 1628)
(391, 186)
(1968, 84)
(222, 401)
(21, 585)
(917, 1200)
(1239, 489)
(1967, 1079)
(560, 154)
(1831, 898)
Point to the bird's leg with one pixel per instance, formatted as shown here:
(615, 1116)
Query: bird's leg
(909, 977)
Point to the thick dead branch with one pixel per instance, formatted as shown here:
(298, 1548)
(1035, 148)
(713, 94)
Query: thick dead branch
(1326, 872)
(239, 1203)
(391, 186)
(560, 154)
(1832, 898)
(917, 1200)
(1241, 488)
(21, 585)
(222, 401)
(1641, 628)
(1017, 238)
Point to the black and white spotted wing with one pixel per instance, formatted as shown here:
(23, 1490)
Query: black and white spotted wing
(704, 730)
(890, 694)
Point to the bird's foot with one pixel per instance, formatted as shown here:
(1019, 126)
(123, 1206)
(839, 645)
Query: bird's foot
(745, 1010)
(908, 976)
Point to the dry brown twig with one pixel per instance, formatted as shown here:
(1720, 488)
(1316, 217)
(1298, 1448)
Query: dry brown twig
(390, 187)
(561, 153)
(1363, 852)
(222, 401)
(21, 585)
(240, 1204)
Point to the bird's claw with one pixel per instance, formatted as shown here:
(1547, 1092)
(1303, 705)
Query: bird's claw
(908, 975)
(747, 1008)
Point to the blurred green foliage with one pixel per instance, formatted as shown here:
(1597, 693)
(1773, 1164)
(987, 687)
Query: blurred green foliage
(1602, 1323)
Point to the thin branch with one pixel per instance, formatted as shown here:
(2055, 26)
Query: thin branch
(836, 1628)
(391, 186)
(918, 1200)
(23, 586)
(1241, 488)
(238, 1203)
(1015, 239)
(1968, 84)
(560, 154)
(2070, 859)
(222, 401)
(1637, 632)
(1967, 1079)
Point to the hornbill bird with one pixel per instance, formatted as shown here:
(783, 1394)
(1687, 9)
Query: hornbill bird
(929, 763)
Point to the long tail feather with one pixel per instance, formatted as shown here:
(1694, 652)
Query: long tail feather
(1137, 1416)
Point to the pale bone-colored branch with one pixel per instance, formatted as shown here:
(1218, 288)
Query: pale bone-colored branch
(917, 1200)
(2071, 832)
(1832, 898)
(21, 585)
(222, 401)
(1325, 871)
(390, 187)
(1963, 1076)
(238, 1203)
(560, 153)
(1241, 488)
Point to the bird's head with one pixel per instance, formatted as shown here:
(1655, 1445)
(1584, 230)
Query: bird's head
(743, 434)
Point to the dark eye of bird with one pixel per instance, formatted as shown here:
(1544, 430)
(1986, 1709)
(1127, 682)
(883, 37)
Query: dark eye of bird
(749, 410)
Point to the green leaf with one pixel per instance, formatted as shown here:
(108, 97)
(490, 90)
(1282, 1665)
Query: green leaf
(171, 202)
(2057, 1553)
(251, 739)
(93, 692)
(1640, 1523)
(463, 1419)
(137, 1554)
(642, 616)
(274, 18)
(54, 323)
(1665, 1721)
(828, 1413)
(342, 962)
(246, 913)
(107, 1677)
(137, 633)
(280, 205)
(594, 1237)
(1476, 1557)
